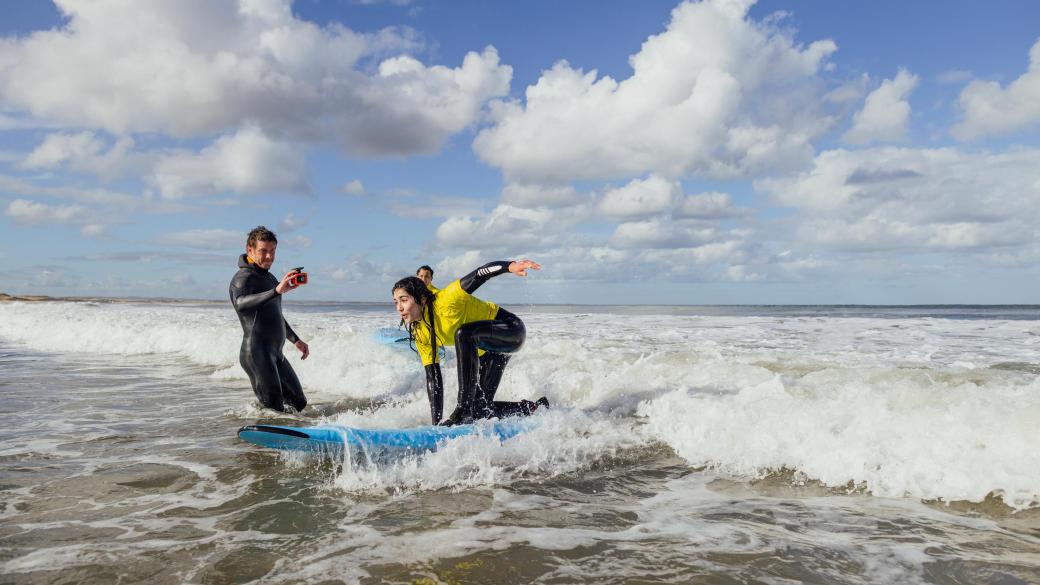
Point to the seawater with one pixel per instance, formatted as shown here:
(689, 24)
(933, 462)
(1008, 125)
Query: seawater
(685, 445)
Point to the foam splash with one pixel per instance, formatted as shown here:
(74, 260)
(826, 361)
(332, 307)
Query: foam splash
(919, 407)
(887, 432)
(563, 441)
(345, 359)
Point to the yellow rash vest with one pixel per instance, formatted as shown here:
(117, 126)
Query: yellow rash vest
(453, 307)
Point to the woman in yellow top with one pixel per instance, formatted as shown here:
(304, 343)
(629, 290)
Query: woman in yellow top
(484, 336)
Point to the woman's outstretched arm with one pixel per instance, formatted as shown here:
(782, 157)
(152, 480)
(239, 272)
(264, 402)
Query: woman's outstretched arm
(473, 280)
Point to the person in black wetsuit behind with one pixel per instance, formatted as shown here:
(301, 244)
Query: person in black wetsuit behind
(484, 335)
(425, 274)
(256, 295)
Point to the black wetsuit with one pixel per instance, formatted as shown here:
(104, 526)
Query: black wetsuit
(264, 332)
(479, 376)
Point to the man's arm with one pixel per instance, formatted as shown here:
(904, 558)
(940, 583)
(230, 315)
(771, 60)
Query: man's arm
(253, 301)
(247, 302)
(435, 390)
(244, 295)
(289, 333)
(305, 350)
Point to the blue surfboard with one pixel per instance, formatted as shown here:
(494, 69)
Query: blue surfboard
(333, 438)
(398, 338)
(394, 336)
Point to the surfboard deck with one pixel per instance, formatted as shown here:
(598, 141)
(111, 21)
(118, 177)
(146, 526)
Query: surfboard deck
(392, 336)
(397, 338)
(331, 438)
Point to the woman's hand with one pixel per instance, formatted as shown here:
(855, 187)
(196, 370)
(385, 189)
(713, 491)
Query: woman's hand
(519, 267)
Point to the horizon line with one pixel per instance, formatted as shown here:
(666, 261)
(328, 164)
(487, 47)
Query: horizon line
(7, 297)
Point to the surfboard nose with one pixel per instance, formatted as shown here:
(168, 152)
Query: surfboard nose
(273, 429)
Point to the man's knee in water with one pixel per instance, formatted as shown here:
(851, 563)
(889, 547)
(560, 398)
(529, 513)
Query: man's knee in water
(272, 396)
(291, 389)
(270, 402)
(299, 403)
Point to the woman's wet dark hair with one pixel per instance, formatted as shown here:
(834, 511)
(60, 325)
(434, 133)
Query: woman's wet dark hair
(416, 288)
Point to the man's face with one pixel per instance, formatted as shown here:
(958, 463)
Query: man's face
(425, 276)
(263, 254)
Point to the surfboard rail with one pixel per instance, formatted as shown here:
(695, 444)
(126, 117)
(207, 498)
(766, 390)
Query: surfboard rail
(327, 438)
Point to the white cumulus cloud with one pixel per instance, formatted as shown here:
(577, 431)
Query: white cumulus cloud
(85, 152)
(714, 94)
(990, 109)
(641, 198)
(536, 195)
(657, 233)
(26, 212)
(459, 265)
(885, 113)
(196, 68)
(914, 199)
(708, 206)
(359, 269)
(245, 162)
(355, 188)
(205, 239)
(656, 196)
(94, 230)
(504, 226)
(292, 223)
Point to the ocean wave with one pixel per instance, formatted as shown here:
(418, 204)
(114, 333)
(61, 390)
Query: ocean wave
(919, 407)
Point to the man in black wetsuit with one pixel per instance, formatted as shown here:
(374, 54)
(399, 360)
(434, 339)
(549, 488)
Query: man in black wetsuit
(256, 295)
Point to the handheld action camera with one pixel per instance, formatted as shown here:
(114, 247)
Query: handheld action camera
(299, 278)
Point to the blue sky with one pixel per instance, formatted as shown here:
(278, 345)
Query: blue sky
(644, 152)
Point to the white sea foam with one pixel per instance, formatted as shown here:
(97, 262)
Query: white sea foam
(919, 407)
(562, 441)
(893, 435)
(685, 520)
(346, 360)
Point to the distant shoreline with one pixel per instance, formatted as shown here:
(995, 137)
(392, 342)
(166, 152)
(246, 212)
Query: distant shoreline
(29, 298)
(4, 297)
